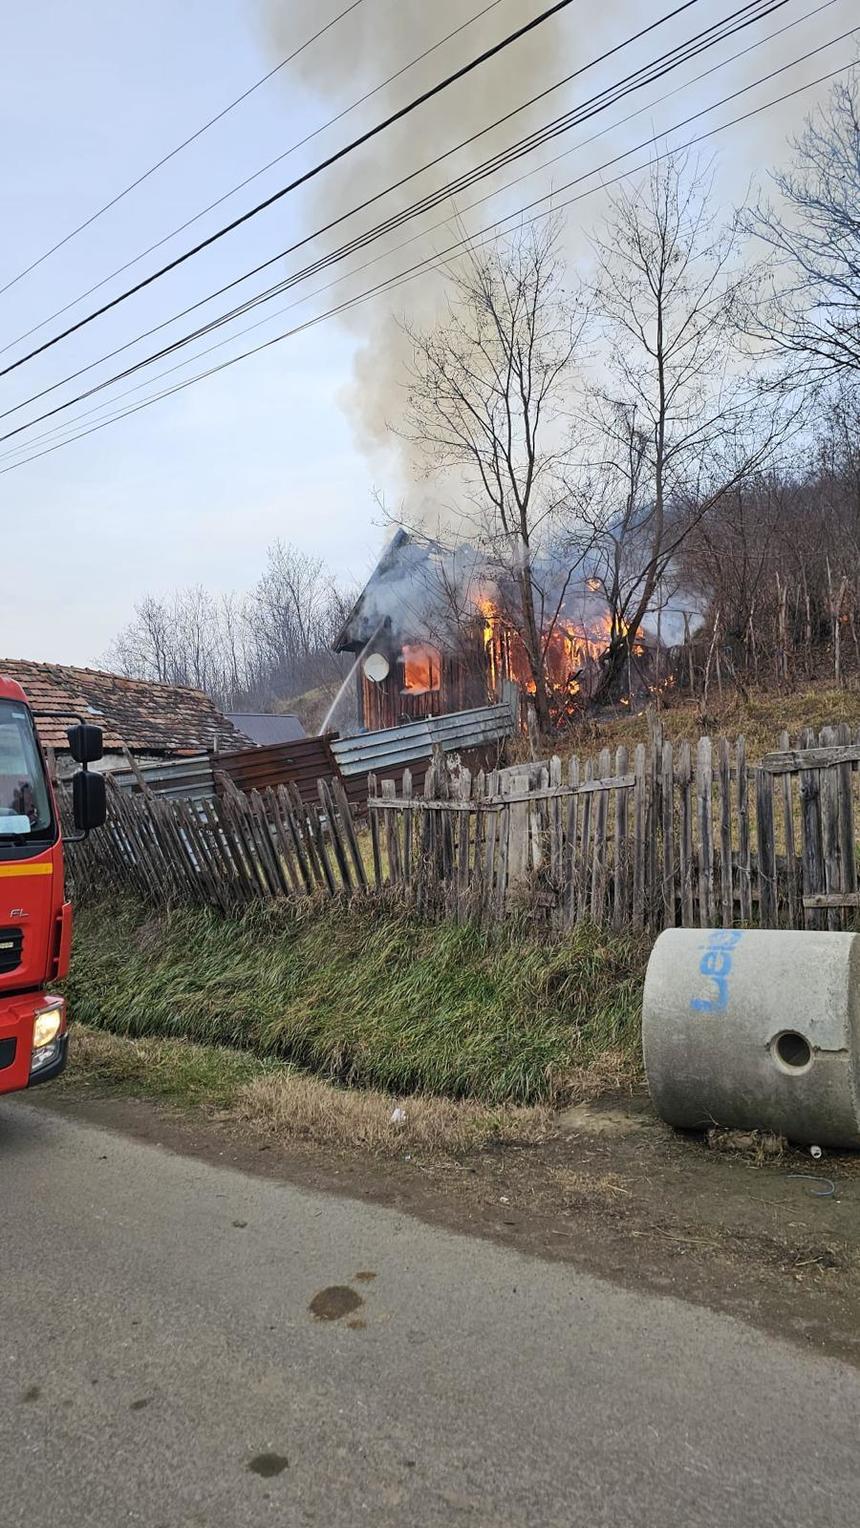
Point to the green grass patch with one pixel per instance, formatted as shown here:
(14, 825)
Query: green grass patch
(368, 997)
(207, 1076)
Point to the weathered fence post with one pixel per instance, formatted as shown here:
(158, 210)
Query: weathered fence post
(767, 896)
(668, 837)
(640, 815)
(813, 860)
(705, 813)
(744, 871)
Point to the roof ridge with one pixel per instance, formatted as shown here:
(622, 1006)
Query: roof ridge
(144, 714)
(77, 668)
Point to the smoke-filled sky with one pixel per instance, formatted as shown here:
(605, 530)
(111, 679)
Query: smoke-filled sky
(293, 442)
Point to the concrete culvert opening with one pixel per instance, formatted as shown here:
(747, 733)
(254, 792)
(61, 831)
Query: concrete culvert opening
(793, 1051)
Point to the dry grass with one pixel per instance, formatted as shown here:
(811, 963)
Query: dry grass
(758, 1147)
(289, 1105)
(575, 1190)
(761, 719)
(610, 1071)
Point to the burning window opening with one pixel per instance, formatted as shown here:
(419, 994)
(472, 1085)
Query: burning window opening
(422, 667)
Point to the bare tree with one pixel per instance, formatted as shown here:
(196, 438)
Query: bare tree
(292, 616)
(809, 302)
(143, 648)
(259, 649)
(677, 425)
(174, 639)
(488, 396)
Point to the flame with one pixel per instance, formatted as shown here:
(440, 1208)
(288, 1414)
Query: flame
(573, 653)
(421, 667)
(488, 615)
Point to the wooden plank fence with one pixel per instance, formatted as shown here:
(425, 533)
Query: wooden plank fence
(229, 851)
(684, 838)
(672, 836)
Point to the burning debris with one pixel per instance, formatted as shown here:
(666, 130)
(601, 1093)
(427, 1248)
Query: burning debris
(574, 653)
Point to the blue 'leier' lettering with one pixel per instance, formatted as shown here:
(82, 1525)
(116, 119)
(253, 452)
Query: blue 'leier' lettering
(716, 964)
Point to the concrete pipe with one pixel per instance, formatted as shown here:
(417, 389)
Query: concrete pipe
(756, 1029)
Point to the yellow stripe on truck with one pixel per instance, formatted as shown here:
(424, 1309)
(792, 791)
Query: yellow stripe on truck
(44, 867)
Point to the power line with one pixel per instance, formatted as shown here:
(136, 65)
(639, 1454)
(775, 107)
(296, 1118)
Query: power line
(353, 211)
(159, 355)
(404, 243)
(762, 7)
(198, 133)
(300, 180)
(750, 12)
(364, 240)
(491, 231)
(240, 186)
(646, 74)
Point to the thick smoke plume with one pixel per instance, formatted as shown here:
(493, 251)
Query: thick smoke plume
(380, 36)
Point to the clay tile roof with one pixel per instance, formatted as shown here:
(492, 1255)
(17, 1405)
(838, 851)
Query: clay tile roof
(145, 717)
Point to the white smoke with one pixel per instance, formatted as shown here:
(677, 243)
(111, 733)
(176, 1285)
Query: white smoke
(380, 36)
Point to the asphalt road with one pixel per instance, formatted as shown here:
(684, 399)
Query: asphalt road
(161, 1365)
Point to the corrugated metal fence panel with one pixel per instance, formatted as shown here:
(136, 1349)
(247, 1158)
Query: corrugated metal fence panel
(356, 786)
(302, 763)
(471, 729)
(384, 754)
(388, 752)
(394, 747)
(376, 752)
(187, 779)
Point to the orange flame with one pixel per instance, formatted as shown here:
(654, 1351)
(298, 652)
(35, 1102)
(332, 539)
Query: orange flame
(572, 654)
(421, 667)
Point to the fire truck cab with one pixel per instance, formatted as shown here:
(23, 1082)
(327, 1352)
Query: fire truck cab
(35, 917)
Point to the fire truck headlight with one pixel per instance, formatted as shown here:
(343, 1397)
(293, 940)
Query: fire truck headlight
(48, 1023)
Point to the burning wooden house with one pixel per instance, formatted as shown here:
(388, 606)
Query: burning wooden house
(434, 630)
(418, 638)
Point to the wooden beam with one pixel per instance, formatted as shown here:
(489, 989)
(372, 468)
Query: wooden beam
(796, 759)
(493, 803)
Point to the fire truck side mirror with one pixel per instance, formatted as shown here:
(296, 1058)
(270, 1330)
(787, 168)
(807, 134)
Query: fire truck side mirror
(89, 800)
(85, 743)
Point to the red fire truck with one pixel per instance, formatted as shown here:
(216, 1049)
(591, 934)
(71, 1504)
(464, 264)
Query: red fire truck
(35, 918)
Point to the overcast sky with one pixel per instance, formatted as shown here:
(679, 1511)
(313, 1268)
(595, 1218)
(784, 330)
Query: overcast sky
(193, 489)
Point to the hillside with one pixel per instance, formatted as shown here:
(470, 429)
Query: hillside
(760, 719)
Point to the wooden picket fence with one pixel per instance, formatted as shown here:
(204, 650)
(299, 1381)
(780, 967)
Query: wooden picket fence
(668, 835)
(672, 836)
(227, 852)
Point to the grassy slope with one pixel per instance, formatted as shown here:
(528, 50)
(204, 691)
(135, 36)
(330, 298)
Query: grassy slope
(761, 719)
(369, 997)
(277, 1099)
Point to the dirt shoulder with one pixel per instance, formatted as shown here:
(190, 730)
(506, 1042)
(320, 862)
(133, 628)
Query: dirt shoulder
(605, 1187)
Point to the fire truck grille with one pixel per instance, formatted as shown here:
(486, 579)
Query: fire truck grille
(11, 940)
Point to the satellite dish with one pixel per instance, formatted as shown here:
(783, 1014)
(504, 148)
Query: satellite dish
(376, 667)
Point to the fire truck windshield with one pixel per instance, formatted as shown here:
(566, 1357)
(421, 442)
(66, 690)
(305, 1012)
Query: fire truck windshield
(25, 806)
